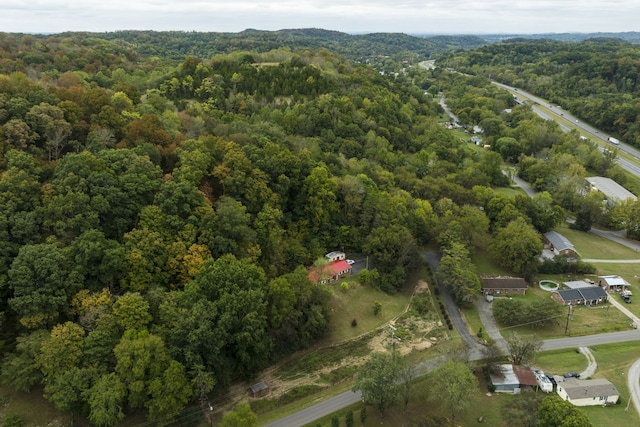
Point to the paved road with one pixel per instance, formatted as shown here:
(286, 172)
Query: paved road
(553, 112)
(634, 384)
(490, 326)
(345, 399)
(318, 410)
(591, 340)
(475, 348)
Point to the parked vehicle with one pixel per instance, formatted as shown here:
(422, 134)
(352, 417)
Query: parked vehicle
(552, 379)
(572, 375)
(351, 262)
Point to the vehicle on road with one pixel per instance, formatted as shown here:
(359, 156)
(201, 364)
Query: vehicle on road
(350, 262)
(613, 140)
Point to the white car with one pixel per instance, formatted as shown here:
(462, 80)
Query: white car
(351, 262)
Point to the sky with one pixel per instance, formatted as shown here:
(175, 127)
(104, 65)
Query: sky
(349, 16)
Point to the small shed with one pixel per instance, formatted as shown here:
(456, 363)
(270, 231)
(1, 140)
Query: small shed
(259, 389)
(335, 256)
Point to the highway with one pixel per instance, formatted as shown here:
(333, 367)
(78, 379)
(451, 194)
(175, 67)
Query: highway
(326, 407)
(550, 112)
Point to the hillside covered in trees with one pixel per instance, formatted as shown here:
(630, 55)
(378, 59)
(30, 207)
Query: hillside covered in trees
(158, 216)
(597, 79)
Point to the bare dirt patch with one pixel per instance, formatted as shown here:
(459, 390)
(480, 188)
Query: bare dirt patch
(414, 333)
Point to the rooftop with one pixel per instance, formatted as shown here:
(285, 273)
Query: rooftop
(585, 389)
(610, 188)
(590, 293)
(503, 283)
(559, 241)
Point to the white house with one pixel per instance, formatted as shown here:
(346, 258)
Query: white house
(335, 256)
(588, 392)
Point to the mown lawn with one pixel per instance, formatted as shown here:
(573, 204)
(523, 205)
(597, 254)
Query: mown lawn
(583, 320)
(591, 246)
(613, 361)
(558, 362)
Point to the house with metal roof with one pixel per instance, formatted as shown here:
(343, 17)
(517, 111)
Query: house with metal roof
(613, 191)
(329, 273)
(592, 295)
(613, 283)
(588, 392)
(560, 245)
(512, 378)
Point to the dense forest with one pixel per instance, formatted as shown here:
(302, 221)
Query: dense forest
(598, 79)
(157, 217)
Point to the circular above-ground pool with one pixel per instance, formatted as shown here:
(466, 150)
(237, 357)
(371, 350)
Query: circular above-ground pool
(549, 285)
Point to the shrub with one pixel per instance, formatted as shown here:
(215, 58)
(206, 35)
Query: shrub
(348, 419)
(363, 414)
(421, 304)
(354, 323)
(377, 308)
(335, 421)
(13, 420)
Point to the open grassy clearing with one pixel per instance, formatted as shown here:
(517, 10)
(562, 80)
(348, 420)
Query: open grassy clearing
(486, 266)
(327, 368)
(614, 361)
(419, 405)
(558, 362)
(24, 405)
(583, 320)
(591, 246)
(510, 191)
(357, 303)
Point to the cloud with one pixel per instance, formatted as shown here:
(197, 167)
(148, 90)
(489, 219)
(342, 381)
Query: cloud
(409, 16)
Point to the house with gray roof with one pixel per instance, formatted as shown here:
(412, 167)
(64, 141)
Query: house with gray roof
(560, 245)
(613, 191)
(591, 295)
(588, 392)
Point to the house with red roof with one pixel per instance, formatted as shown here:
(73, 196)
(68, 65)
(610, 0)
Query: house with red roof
(329, 273)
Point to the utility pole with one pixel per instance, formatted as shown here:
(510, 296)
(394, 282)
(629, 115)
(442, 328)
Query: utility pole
(566, 326)
(393, 332)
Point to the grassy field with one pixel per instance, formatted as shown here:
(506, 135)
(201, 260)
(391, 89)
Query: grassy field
(558, 362)
(357, 303)
(583, 321)
(591, 246)
(24, 404)
(485, 265)
(419, 405)
(613, 361)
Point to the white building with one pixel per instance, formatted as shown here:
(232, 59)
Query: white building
(588, 392)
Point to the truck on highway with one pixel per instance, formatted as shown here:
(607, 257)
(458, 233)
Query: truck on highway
(613, 140)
